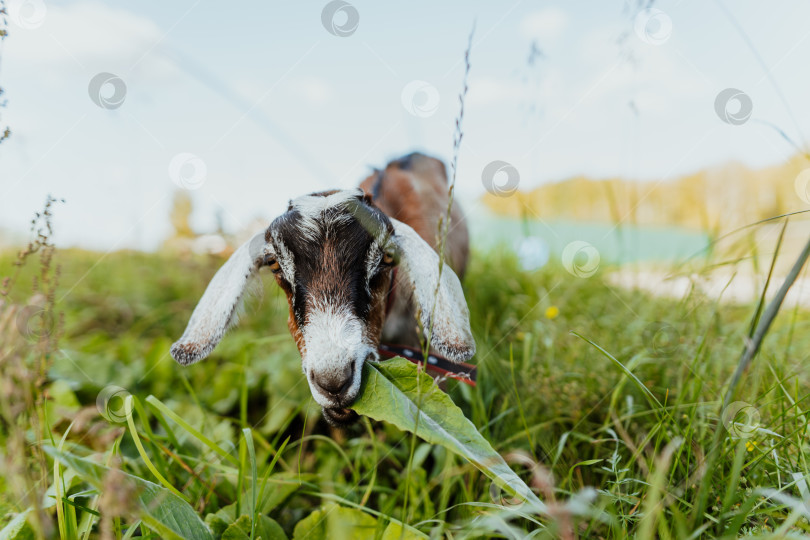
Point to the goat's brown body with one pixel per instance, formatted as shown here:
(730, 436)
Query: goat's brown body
(414, 190)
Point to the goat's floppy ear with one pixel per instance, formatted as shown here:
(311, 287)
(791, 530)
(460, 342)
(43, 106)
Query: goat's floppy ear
(216, 311)
(419, 268)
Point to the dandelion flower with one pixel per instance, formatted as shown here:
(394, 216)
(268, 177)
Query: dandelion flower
(552, 312)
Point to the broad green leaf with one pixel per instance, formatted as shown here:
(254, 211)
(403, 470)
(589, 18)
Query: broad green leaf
(390, 393)
(266, 529)
(159, 509)
(334, 522)
(18, 528)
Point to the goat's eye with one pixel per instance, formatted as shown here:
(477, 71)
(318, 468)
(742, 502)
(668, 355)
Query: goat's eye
(388, 258)
(272, 263)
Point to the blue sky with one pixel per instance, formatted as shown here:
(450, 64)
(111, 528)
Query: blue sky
(275, 106)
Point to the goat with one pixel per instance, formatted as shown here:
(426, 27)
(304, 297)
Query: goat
(338, 255)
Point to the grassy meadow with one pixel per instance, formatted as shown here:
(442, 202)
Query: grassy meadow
(607, 402)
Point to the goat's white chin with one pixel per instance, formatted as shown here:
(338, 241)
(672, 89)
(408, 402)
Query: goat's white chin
(340, 417)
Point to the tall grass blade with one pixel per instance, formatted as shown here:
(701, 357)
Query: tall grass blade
(254, 480)
(128, 407)
(627, 372)
(752, 347)
(749, 351)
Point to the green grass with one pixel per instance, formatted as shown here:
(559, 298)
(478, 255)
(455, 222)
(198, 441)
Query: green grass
(617, 400)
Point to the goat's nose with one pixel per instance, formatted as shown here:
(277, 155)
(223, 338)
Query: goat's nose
(333, 383)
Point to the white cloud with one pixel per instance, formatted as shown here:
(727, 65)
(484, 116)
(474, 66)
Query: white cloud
(545, 25)
(92, 36)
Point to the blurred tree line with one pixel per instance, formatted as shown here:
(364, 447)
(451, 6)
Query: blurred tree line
(716, 199)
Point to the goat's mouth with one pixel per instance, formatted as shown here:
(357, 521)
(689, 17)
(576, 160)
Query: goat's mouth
(340, 417)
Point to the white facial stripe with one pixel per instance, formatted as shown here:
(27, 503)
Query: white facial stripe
(312, 208)
(334, 340)
(315, 204)
(373, 258)
(285, 259)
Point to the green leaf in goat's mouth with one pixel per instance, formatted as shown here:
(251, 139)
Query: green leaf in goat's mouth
(394, 391)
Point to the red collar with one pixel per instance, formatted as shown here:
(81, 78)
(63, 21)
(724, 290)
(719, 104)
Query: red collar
(436, 365)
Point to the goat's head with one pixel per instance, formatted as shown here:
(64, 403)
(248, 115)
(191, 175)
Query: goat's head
(333, 253)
